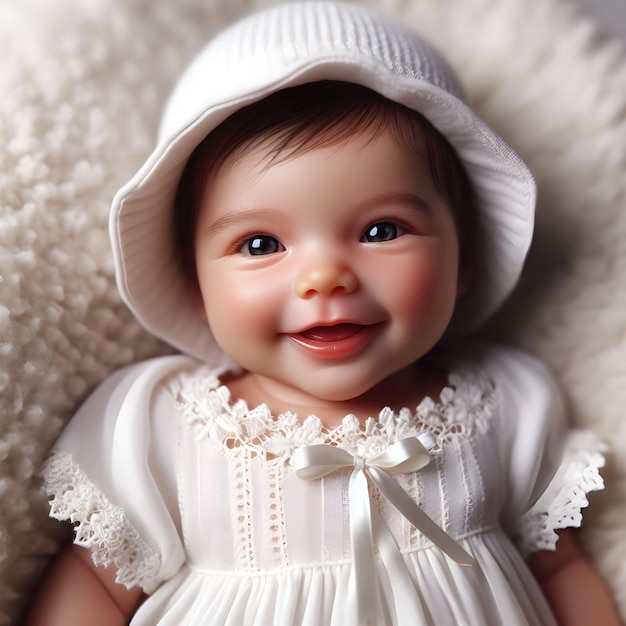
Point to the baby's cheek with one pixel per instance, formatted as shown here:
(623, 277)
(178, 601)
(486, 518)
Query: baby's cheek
(238, 311)
(416, 291)
(425, 301)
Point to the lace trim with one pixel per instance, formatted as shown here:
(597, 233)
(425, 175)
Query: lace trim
(99, 524)
(560, 505)
(466, 405)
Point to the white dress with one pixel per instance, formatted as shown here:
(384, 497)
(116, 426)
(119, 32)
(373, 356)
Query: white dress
(196, 499)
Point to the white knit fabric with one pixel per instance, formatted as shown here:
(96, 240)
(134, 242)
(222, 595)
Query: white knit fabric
(83, 85)
(284, 46)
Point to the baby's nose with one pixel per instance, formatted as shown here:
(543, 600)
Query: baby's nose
(325, 277)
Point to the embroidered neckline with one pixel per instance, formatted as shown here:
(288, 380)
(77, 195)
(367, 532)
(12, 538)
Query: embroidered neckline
(465, 406)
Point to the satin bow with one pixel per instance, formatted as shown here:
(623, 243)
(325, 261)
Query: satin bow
(407, 455)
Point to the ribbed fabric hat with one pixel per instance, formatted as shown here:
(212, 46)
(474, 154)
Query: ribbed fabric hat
(289, 45)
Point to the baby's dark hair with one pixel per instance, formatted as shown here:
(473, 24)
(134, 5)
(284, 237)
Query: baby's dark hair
(316, 115)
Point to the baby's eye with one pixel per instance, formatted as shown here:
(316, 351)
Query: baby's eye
(382, 231)
(260, 245)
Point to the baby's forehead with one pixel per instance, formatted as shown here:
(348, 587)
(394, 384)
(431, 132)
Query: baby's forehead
(352, 178)
(274, 148)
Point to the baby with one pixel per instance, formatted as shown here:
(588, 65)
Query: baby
(322, 221)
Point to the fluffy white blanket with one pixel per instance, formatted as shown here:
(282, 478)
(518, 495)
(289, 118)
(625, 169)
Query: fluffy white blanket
(82, 84)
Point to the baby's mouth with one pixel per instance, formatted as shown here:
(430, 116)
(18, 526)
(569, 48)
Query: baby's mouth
(336, 332)
(336, 341)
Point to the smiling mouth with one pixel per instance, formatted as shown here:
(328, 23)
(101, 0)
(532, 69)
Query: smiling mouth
(338, 332)
(335, 341)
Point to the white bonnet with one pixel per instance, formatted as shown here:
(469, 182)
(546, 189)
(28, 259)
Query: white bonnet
(288, 45)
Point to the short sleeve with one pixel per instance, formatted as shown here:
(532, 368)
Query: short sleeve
(112, 473)
(550, 467)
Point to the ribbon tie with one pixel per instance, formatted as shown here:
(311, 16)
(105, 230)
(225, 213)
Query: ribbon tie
(407, 455)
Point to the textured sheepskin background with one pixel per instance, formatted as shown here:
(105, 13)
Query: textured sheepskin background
(81, 86)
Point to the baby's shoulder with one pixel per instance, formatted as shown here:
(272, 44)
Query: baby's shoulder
(504, 364)
(528, 393)
(140, 378)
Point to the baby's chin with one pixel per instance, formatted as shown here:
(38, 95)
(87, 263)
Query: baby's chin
(347, 396)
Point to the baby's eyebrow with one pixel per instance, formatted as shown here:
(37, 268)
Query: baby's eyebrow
(239, 217)
(410, 200)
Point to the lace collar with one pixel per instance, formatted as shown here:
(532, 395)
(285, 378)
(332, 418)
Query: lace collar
(465, 406)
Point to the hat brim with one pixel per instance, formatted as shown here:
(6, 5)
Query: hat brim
(149, 277)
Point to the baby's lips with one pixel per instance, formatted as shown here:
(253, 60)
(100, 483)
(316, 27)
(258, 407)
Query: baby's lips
(336, 341)
(335, 332)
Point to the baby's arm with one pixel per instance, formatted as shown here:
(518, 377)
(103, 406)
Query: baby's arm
(576, 592)
(75, 592)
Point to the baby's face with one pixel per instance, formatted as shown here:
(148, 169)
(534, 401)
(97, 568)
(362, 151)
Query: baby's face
(330, 271)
